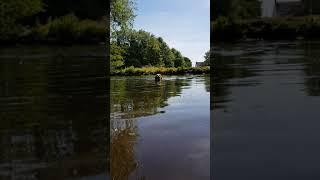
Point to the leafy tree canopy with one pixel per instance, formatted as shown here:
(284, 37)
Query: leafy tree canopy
(11, 11)
(236, 9)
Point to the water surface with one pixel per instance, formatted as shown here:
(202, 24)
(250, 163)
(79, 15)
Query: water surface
(52, 112)
(160, 130)
(266, 111)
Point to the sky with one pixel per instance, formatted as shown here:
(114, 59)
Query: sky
(183, 24)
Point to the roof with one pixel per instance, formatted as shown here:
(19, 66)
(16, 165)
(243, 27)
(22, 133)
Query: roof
(200, 63)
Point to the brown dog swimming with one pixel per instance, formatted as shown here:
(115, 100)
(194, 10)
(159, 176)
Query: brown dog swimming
(158, 77)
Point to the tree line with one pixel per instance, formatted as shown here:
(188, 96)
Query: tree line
(236, 9)
(21, 19)
(142, 48)
(138, 48)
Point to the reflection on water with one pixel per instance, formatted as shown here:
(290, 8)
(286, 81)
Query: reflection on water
(53, 120)
(160, 130)
(265, 111)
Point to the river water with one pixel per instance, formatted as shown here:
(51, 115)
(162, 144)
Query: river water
(53, 112)
(266, 111)
(265, 114)
(160, 130)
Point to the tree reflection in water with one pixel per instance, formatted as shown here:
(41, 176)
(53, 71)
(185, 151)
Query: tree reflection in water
(52, 111)
(132, 98)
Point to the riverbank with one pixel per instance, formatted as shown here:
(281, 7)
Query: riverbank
(134, 71)
(62, 30)
(276, 28)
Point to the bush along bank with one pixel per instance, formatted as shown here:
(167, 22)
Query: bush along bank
(277, 28)
(134, 71)
(65, 29)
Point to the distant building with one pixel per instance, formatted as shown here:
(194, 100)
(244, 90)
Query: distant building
(288, 8)
(272, 8)
(199, 64)
(267, 8)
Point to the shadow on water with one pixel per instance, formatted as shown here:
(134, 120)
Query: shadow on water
(53, 120)
(228, 65)
(265, 113)
(137, 98)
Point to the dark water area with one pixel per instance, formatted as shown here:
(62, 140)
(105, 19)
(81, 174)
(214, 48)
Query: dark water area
(52, 112)
(160, 130)
(266, 111)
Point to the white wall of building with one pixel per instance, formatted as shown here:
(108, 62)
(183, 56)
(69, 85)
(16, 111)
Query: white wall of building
(268, 5)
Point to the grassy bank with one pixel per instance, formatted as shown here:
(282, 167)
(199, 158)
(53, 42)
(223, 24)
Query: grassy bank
(133, 71)
(66, 29)
(277, 28)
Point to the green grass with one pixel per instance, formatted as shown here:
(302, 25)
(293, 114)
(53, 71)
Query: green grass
(134, 71)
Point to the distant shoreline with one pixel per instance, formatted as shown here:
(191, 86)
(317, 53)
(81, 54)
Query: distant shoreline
(133, 71)
(67, 29)
(275, 28)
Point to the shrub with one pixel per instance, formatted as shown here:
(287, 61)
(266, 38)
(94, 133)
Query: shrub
(64, 29)
(91, 30)
(277, 28)
(226, 29)
(310, 27)
(150, 70)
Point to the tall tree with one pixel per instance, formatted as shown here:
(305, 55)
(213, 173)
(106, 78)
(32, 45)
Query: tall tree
(121, 16)
(12, 11)
(121, 20)
(154, 52)
(83, 9)
(236, 9)
(137, 48)
(178, 58)
(207, 58)
(117, 58)
(187, 62)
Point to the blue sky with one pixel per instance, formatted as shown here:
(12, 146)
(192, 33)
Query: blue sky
(183, 24)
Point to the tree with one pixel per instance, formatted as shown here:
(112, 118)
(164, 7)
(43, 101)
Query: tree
(144, 48)
(12, 11)
(83, 9)
(116, 56)
(187, 62)
(236, 9)
(207, 58)
(121, 20)
(121, 16)
(245, 9)
(167, 55)
(220, 8)
(178, 58)
(137, 48)
(153, 52)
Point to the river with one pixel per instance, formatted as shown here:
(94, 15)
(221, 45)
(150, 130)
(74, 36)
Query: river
(53, 112)
(266, 110)
(160, 130)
